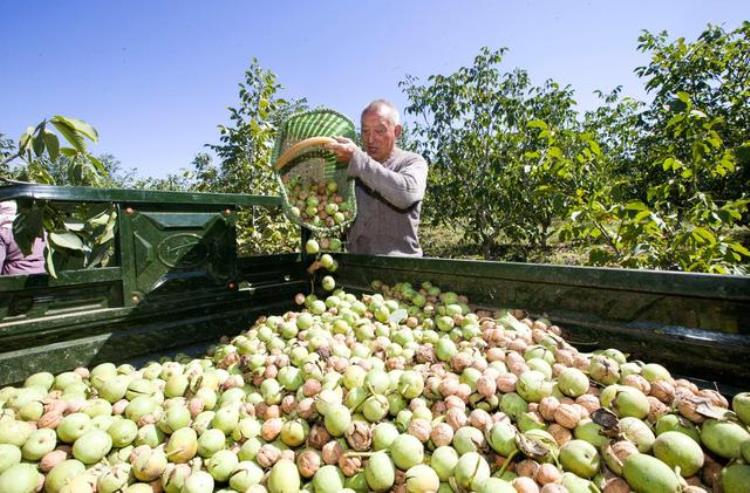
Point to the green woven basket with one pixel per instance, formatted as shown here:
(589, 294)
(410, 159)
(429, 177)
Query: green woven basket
(313, 164)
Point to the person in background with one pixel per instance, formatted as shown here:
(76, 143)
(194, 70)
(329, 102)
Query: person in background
(12, 260)
(391, 184)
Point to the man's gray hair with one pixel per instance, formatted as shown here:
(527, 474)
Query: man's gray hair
(386, 107)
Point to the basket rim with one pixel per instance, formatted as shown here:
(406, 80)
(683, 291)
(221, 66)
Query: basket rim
(281, 136)
(286, 204)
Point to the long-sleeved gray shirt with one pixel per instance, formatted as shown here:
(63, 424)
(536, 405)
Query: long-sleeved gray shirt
(389, 202)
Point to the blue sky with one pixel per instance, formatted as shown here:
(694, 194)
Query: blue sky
(155, 77)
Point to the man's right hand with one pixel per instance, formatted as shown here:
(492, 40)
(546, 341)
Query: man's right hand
(343, 149)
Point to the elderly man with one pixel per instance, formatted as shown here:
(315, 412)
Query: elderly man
(390, 185)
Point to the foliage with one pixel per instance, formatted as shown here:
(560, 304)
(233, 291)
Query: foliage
(245, 152)
(6, 151)
(714, 70)
(40, 145)
(486, 167)
(173, 182)
(80, 234)
(680, 225)
(673, 186)
(658, 185)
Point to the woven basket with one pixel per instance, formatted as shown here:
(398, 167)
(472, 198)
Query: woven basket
(313, 164)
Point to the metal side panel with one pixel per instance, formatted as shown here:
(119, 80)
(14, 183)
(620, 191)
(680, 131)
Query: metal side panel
(695, 324)
(130, 339)
(175, 279)
(23, 298)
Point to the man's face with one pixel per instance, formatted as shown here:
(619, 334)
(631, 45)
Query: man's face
(379, 135)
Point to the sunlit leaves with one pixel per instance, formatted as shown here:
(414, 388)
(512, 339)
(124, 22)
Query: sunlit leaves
(46, 162)
(686, 187)
(52, 143)
(67, 240)
(245, 151)
(497, 150)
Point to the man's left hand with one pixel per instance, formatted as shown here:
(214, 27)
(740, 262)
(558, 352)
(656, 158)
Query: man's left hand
(344, 149)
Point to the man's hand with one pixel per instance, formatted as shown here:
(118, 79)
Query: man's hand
(344, 149)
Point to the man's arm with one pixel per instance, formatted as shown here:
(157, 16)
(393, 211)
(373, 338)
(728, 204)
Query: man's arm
(401, 188)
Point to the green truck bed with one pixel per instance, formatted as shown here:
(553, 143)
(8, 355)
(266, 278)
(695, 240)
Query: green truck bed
(176, 283)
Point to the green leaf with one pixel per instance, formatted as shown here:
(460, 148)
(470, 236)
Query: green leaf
(727, 163)
(109, 229)
(598, 206)
(737, 247)
(683, 96)
(678, 118)
(97, 164)
(76, 226)
(714, 140)
(38, 144)
(537, 124)
(636, 205)
(38, 173)
(100, 219)
(25, 139)
(97, 256)
(52, 143)
(68, 152)
(70, 134)
(594, 146)
(79, 126)
(703, 235)
(27, 227)
(108, 234)
(49, 263)
(641, 216)
(68, 240)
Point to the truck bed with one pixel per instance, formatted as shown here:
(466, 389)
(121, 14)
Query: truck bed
(150, 301)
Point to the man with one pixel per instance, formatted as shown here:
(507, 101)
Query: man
(12, 260)
(390, 185)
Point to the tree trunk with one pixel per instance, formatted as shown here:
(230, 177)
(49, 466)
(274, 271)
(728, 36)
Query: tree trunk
(487, 248)
(543, 242)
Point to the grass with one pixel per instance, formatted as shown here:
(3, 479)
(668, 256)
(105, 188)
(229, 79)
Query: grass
(447, 241)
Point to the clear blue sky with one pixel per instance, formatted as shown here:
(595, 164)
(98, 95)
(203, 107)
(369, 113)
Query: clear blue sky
(155, 77)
